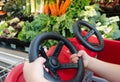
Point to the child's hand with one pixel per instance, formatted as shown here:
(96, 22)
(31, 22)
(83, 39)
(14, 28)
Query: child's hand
(33, 72)
(84, 55)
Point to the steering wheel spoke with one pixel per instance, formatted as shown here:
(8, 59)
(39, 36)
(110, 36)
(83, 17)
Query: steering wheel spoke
(54, 74)
(95, 44)
(69, 65)
(89, 34)
(58, 49)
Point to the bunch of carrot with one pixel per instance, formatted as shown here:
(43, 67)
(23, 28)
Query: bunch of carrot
(56, 7)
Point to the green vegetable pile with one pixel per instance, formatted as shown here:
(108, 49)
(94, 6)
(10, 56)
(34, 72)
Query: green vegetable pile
(45, 23)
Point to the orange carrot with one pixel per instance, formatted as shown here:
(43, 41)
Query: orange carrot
(65, 6)
(2, 12)
(52, 7)
(61, 5)
(46, 8)
(57, 6)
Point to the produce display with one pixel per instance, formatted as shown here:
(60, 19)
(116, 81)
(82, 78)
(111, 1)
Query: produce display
(26, 19)
(109, 6)
(10, 28)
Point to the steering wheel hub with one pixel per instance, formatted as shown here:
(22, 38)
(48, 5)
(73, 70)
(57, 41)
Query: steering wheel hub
(54, 63)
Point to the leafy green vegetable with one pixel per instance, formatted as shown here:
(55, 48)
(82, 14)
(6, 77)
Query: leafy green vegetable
(31, 29)
(76, 6)
(14, 7)
(3, 25)
(116, 34)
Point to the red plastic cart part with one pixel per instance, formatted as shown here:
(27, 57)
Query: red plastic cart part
(16, 75)
(111, 51)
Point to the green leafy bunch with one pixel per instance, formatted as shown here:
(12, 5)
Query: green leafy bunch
(14, 7)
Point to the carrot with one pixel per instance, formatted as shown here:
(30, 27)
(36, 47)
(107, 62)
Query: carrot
(65, 6)
(46, 8)
(57, 6)
(52, 7)
(61, 5)
(2, 12)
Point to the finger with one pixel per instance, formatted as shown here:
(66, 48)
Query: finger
(75, 59)
(45, 68)
(81, 52)
(68, 51)
(72, 56)
(40, 60)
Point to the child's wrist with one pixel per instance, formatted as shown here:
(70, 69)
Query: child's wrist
(89, 62)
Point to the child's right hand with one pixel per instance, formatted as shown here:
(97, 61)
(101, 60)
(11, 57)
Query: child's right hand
(85, 56)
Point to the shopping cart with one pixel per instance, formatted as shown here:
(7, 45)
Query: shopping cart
(16, 72)
(4, 71)
(16, 75)
(7, 68)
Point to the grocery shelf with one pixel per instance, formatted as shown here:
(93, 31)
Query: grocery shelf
(13, 43)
